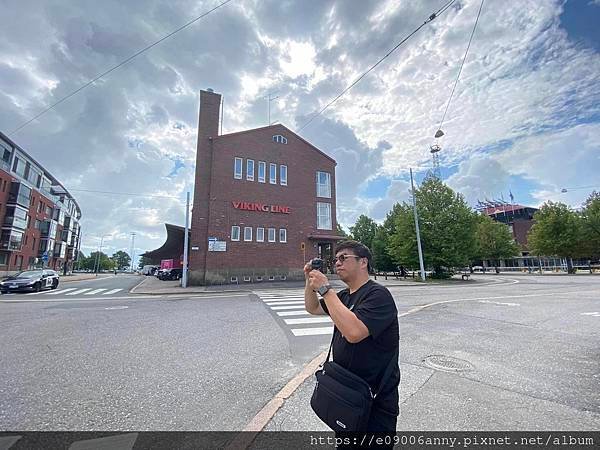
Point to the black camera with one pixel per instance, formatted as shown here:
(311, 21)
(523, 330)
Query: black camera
(317, 264)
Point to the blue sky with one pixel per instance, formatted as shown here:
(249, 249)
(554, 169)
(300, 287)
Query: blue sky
(525, 115)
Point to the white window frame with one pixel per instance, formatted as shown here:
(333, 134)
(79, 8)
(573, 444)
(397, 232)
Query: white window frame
(250, 171)
(263, 177)
(260, 234)
(324, 215)
(284, 234)
(279, 139)
(282, 178)
(236, 175)
(323, 190)
(271, 236)
(273, 173)
(246, 239)
(235, 229)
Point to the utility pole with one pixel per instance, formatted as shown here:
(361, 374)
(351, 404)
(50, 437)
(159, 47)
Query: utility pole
(417, 226)
(100, 251)
(184, 275)
(132, 248)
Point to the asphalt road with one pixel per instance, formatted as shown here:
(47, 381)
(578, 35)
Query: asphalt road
(529, 346)
(96, 288)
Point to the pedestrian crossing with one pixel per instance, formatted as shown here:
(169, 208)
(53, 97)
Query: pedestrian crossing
(288, 304)
(76, 291)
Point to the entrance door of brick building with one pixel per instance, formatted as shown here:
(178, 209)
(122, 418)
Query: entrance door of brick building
(326, 254)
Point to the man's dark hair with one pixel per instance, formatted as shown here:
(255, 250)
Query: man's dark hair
(357, 248)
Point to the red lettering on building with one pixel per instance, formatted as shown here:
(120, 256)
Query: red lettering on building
(261, 207)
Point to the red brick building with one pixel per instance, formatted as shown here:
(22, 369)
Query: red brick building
(39, 218)
(264, 202)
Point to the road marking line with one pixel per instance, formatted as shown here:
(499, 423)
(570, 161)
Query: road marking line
(95, 291)
(294, 313)
(62, 291)
(308, 320)
(112, 291)
(593, 314)
(36, 293)
(500, 303)
(281, 299)
(277, 308)
(79, 291)
(312, 331)
(299, 302)
(117, 307)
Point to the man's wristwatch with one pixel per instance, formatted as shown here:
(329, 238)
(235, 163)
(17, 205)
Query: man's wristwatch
(323, 289)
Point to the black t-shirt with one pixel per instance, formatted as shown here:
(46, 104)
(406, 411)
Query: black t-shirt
(370, 357)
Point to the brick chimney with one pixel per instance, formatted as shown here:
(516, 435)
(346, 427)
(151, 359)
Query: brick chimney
(208, 128)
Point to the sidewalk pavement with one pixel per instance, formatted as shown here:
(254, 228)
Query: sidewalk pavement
(152, 285)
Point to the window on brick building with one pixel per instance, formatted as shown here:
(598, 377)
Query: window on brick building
(282, 235)
(271, 234)
(283, 175)
(250, 169)
(273, 173)
(324, 216)
(260, 234)
(235, 233)
(324, 184)
(279, 139)
(237, 168)
(262, 171)
(247, 234)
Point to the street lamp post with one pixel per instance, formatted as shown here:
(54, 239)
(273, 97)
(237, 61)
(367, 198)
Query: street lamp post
(417, 227)
(184, 275)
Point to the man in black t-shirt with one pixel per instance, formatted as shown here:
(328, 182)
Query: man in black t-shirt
(366, 319)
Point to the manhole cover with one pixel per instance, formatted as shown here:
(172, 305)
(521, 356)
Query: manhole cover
(447, 363)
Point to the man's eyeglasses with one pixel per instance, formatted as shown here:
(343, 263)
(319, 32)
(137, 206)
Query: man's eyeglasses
(343, 258)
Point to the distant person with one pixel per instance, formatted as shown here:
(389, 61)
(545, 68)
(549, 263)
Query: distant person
(403, 272)
(366, 333)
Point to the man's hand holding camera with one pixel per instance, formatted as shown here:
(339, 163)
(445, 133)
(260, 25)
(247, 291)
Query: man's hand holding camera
(315, 278)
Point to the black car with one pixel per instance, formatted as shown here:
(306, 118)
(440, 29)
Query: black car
(170, 274)
(30, 280)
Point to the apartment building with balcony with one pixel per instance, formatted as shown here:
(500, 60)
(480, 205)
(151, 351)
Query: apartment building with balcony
(39, 219)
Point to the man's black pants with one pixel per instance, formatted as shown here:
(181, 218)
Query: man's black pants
(382, 425)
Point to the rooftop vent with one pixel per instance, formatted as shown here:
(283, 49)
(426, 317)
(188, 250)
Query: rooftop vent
(210, 90)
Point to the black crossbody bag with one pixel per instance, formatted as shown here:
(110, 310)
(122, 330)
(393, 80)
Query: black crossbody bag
(342, 399)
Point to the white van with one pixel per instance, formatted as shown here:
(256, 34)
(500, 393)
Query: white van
(150, 269)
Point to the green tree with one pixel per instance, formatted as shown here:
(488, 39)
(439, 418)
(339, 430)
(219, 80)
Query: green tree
(447, 227)
(122, 260)
(557, 231)
(590, 225)
(144, 261)
(340, 230)
(382, 261)
(364, 230)
(493, 240)
(104, 262)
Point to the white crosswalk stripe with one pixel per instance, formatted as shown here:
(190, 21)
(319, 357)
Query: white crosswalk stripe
(95, 291)
(112, 291)
(61, 291)
(78, 291)
(295, 302)
(290, 302)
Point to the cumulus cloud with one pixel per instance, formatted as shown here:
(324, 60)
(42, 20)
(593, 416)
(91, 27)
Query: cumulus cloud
(526, 98)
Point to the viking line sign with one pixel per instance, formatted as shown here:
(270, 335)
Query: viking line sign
(262, 207)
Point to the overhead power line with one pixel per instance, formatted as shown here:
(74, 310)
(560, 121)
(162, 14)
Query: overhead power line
(125, 193)
(429, 19)
(116, 67)
(461, 65)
